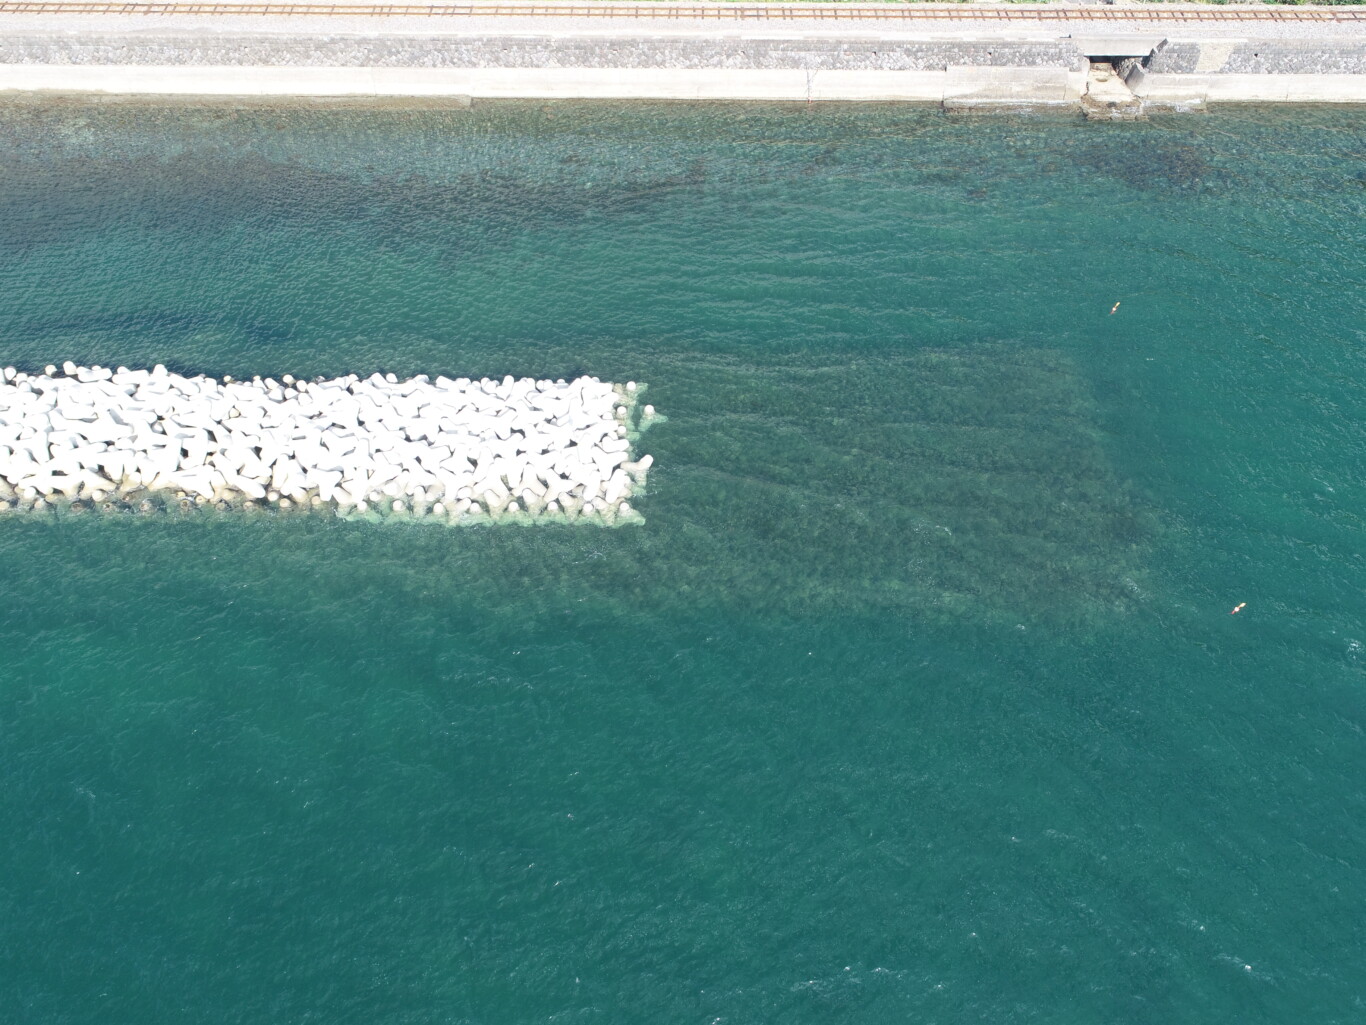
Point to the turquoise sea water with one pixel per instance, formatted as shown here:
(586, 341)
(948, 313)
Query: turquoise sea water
(915, 699)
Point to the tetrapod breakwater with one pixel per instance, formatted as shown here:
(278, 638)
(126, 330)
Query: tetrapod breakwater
(455, 450)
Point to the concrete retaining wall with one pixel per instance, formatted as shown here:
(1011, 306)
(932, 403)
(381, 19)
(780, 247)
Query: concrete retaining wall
(1259, 57)
(963, 70)
(512, 51)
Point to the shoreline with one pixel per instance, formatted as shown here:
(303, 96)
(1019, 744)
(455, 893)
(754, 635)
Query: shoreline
(961, 87)
(1111, 62)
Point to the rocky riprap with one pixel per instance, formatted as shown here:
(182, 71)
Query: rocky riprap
(444, 449)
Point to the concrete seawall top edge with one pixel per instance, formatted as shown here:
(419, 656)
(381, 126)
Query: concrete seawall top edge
(612, 50)
(96, 26)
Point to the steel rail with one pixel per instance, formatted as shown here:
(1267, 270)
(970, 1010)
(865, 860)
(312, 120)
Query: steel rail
(701, 12)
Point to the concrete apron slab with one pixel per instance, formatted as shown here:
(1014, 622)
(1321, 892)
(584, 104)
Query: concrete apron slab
(977, 85)
(1108, 97)
(958, 86)
(1194, 90)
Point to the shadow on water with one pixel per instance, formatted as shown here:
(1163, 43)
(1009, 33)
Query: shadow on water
(967, 483)
(964, 482)
(865, 475)
(1157, 166)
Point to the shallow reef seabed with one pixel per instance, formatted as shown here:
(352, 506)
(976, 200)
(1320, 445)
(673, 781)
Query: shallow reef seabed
(915, 694)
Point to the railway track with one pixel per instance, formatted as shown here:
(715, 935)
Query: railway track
(711, 12)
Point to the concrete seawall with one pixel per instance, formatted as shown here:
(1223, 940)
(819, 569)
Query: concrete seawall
(966, 57)
(1252, 70)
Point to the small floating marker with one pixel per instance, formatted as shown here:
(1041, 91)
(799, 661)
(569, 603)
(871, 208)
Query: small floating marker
(1113, 309)
(1238, 608)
